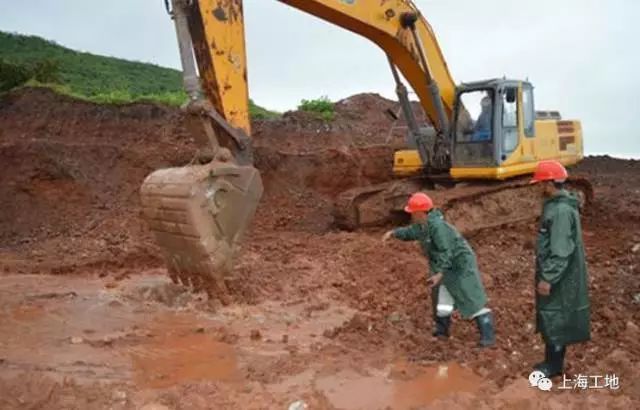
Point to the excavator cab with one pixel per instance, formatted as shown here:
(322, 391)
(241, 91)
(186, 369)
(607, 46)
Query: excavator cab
(486, 126)
(493, 135)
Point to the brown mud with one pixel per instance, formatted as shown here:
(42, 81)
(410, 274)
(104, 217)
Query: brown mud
(89, 318)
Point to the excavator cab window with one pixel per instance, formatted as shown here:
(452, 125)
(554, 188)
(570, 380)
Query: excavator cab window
(474, 134)
(509, 120)
(529, 111)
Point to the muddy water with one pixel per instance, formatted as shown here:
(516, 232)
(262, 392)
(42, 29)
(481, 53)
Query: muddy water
(78, 327)
(433, 383)
(394, 388)
(182, 353)
(88, 330)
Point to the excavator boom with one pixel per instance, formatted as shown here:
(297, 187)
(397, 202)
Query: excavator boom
(391, 26)
(217, 32)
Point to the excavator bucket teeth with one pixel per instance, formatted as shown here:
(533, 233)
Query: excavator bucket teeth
(197, 215)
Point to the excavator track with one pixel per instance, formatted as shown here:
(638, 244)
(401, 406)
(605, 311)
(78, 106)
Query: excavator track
(198, 214)
(470, 206)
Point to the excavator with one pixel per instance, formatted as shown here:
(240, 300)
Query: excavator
(482, 140)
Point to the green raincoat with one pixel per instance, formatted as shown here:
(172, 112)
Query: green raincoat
(563, 317)
(450, 254)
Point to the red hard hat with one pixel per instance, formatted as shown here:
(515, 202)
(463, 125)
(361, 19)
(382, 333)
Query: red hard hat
(419, 202)
(549, 171)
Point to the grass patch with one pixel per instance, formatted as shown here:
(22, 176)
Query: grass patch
(257, 112)
(321, 107)
(116, 97)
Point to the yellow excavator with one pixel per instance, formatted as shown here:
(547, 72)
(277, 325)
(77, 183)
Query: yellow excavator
(484, 134)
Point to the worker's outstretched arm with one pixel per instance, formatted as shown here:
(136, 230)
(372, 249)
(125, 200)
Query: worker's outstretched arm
(408, 233)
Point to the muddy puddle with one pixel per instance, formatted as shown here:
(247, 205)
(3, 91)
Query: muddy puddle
(400, 386)
(84, 329)
(180, 352)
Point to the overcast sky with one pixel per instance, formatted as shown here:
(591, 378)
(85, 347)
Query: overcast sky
(581, 55)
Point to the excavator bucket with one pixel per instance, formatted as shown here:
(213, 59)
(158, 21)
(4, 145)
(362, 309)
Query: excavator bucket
(198, 214)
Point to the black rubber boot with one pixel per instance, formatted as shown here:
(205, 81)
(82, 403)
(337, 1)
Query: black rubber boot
(487, 332)
(442, 326)
(554, 361)
(547, 359)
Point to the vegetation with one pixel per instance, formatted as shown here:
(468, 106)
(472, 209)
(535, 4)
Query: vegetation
(35, 62)
(88, 74)
(322, 107)
(13, 75)
(257, 112)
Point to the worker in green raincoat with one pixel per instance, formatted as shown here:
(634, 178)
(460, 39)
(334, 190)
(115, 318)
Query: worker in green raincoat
(454, 274)
(562, 290)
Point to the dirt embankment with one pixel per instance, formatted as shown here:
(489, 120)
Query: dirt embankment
(315, 309)
(73, 170)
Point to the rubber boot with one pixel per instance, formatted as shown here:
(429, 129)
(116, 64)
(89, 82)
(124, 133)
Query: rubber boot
(554, 361)
(442, 326)
(487, 332)
(547, 359)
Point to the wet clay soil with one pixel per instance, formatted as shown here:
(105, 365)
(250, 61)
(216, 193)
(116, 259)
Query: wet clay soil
(89, 319)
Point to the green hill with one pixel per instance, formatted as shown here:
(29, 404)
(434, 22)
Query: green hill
(32, 60)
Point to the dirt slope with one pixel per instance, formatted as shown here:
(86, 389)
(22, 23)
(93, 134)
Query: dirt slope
(73, 170)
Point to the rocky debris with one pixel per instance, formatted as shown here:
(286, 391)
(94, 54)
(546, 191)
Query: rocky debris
(255, 334)
(154, 406)
(298, 405)
(119, 395)
(632, 331)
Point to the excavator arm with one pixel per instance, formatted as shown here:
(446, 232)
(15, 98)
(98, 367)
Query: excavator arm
(199, 213)
(403, 33)
(217, 36)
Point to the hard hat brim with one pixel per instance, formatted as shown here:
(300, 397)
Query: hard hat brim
(413, 211)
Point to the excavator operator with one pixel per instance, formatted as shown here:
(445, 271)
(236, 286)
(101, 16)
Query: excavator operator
(482, 129)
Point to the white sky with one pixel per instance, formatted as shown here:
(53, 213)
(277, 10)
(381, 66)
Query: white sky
(581, 55)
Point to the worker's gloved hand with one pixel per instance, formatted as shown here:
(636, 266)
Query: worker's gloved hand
(387, 236)
(434, 280)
